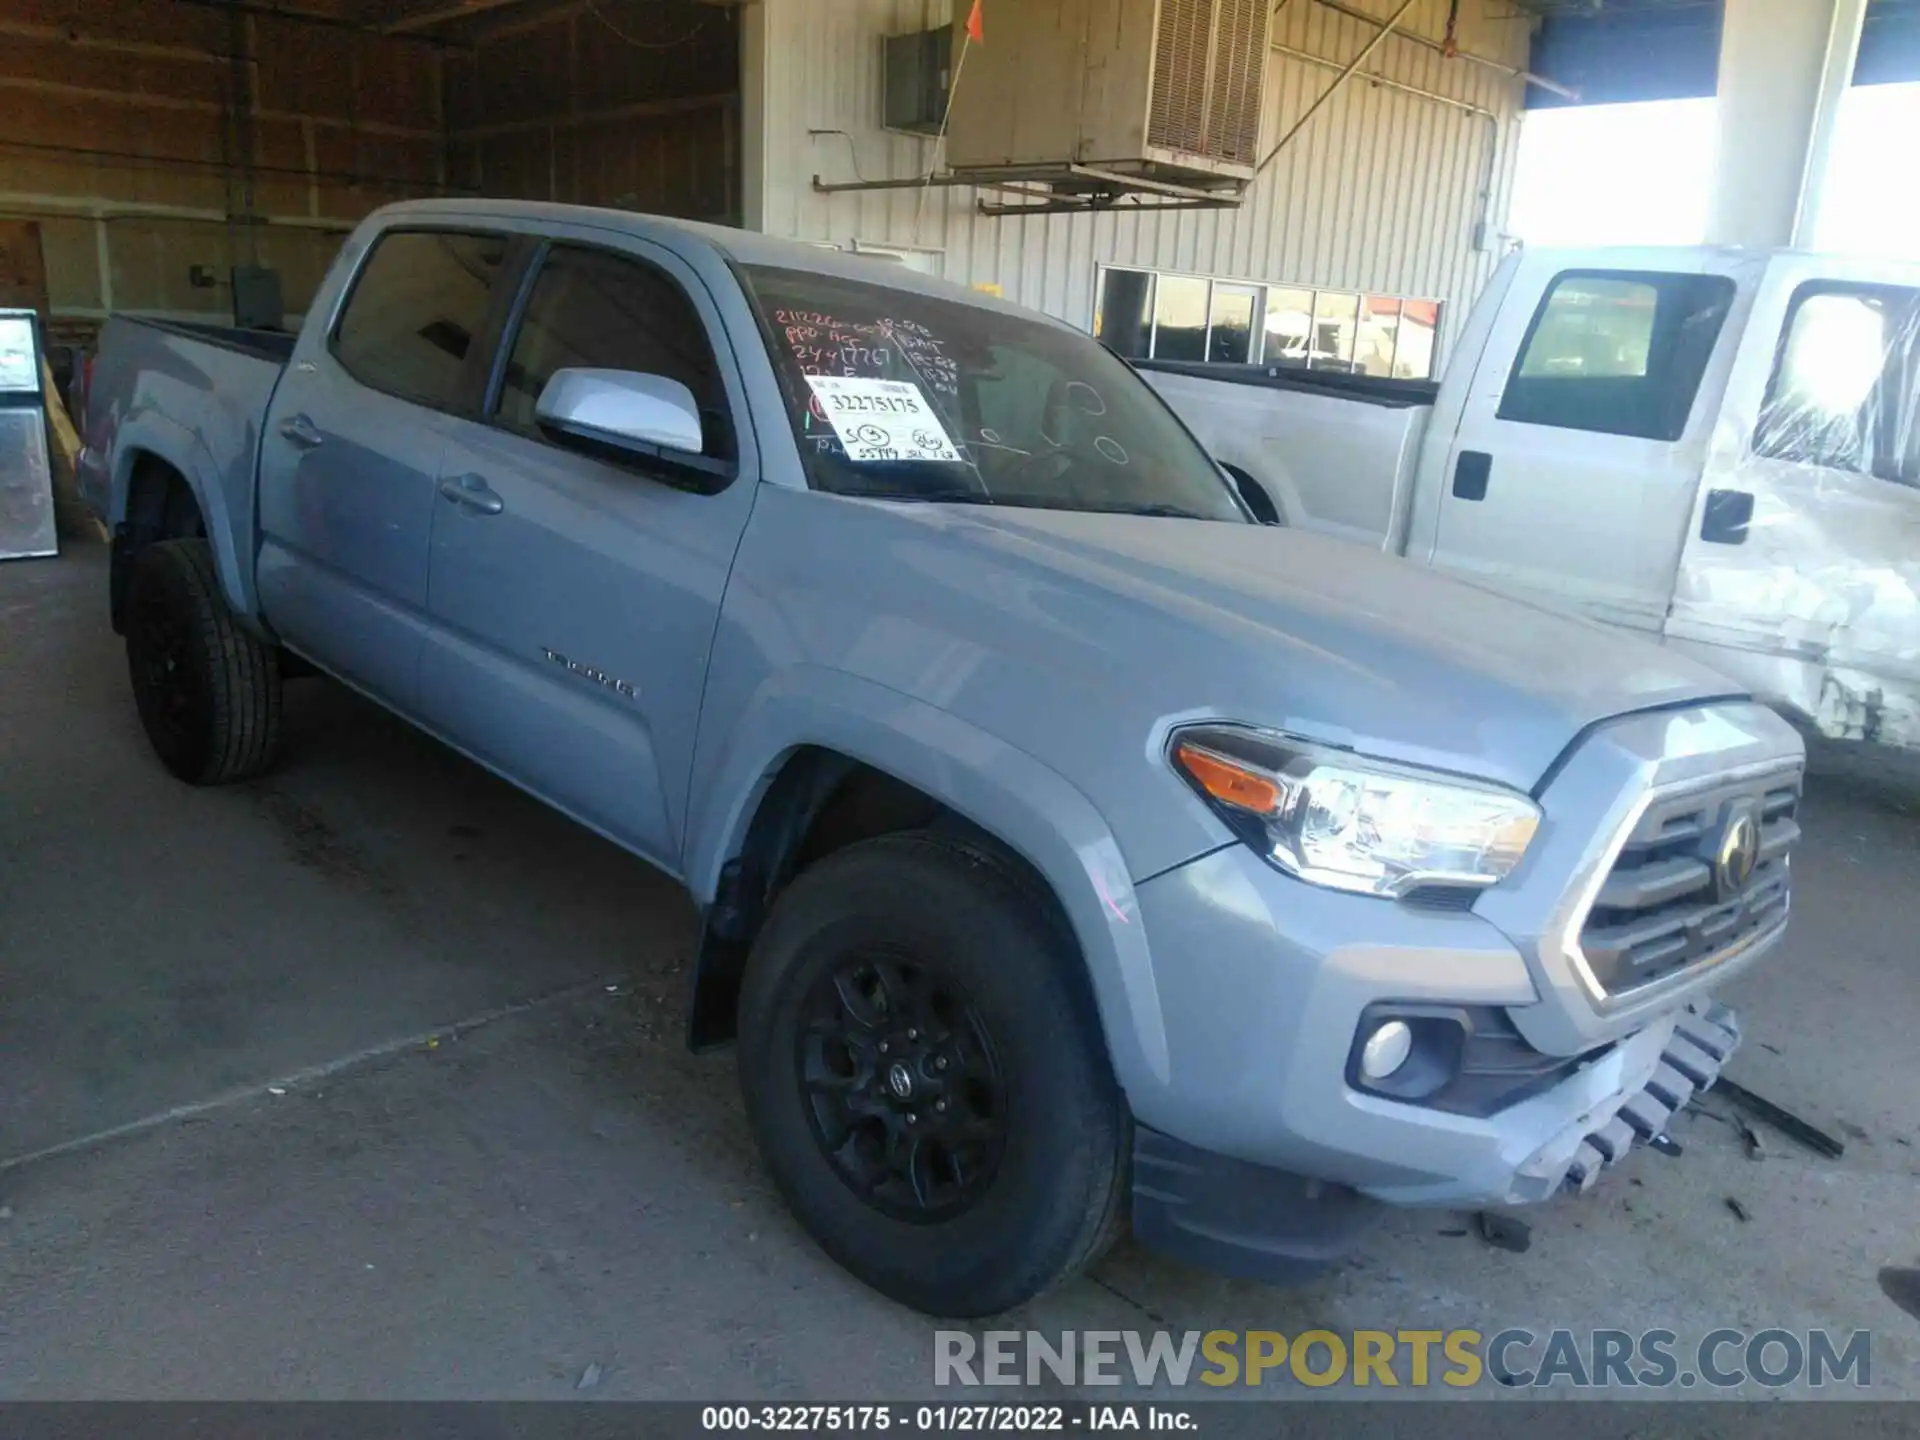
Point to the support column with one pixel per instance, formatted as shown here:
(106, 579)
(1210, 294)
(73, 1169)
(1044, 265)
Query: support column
(1784, 66)
(756, 73)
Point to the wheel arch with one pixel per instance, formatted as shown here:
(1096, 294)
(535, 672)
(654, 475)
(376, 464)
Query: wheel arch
(817, 764)
(161, 493)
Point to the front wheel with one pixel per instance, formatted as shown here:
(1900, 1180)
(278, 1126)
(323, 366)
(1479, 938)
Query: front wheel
(925, 1076)
(208, 692)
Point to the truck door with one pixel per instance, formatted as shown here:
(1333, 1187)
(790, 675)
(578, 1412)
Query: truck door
(574, 591)
(1802, 566)
(351, 454)
(1572, 473)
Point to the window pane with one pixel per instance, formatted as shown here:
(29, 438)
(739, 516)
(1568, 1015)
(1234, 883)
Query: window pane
(1123, 319)
(1335, 318)
(415, 308)
(1180, 318)
(1846, 387)
(1419, 334)
(1618, 354)
(1379, 329)
(599, 311)
(1597, 327)
(1230, 339)
(1289, 327)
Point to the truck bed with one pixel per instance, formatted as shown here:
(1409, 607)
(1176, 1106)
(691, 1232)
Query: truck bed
(273, 345)
(1336, 452)
(1369, 389)
(153, 380)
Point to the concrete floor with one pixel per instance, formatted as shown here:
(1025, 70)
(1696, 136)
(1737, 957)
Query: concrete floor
(436, 1212)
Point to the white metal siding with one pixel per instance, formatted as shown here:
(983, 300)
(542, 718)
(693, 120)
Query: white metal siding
(1381, 192)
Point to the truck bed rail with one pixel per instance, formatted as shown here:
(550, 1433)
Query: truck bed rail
(1367, 389)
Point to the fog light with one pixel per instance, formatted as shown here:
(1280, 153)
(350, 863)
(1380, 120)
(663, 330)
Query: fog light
(1386, 1050)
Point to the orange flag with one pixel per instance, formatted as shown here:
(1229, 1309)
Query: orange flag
(974, 32)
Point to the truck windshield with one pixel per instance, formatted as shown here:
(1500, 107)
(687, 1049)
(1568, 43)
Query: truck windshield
(904, 396)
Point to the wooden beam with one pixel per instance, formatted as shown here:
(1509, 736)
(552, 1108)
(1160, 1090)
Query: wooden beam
(636, 110)
(207, 107)
(439, 14)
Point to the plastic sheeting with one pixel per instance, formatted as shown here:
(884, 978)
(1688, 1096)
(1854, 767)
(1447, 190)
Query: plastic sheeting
(1846, 390)
(1803, 567)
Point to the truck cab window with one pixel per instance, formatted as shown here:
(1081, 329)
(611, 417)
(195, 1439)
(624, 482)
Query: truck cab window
(416, 305)
(1845, 389)
(1617, 353)
(596, 310)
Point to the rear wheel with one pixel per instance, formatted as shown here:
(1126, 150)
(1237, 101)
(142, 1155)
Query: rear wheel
(208, 692)
(925, 1076)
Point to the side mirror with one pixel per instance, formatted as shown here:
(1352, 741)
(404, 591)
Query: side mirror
(622, 408)
(1254, 496)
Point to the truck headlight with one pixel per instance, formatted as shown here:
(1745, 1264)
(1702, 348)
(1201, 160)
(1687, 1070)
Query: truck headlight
(1334, 818)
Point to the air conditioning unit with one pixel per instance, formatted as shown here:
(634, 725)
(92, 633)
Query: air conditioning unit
(1167, 90)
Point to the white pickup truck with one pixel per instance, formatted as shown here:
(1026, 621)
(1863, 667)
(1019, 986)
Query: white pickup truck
(1714, 446)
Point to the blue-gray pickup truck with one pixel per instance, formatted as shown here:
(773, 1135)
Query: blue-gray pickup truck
(1072, 847)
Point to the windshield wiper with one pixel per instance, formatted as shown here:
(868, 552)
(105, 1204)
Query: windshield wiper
(1171, 512)
(929, 497)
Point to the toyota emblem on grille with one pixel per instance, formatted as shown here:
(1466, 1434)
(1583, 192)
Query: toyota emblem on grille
(1738, 851)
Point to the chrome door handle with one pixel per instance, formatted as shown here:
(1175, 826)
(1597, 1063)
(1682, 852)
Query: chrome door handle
(472, 493)
(302, 432)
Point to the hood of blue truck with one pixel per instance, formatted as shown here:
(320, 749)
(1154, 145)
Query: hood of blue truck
(1327, 639)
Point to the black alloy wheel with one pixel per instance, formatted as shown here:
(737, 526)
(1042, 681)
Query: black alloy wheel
(925, 1074)
(904, 1093)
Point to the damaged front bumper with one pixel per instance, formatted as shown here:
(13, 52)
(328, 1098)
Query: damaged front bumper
(1696, 1045)
(1262, 1222)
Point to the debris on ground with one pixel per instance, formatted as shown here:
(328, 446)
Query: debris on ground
(276, 1089)
(1740, 1212)
(1785, 1121)
(1749, 1139)
(589, 1377)
(1453, 1234)
(1504, 1232)
(1666, 1145)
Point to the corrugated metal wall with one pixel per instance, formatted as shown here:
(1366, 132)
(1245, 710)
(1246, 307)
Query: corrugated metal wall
(1383, 191)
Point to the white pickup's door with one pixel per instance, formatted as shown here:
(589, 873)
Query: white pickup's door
(1571, 477)
(1802, 567)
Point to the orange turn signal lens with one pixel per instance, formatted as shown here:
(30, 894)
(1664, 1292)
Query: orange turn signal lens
(1228, 781)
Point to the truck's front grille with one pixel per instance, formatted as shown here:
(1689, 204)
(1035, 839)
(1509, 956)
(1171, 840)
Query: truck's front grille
(1675, 897)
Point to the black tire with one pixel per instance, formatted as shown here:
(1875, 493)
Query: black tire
(982, 1225)
(208, 692)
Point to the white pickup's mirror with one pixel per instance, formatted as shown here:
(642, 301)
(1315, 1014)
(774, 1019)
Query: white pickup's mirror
(622, 407)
